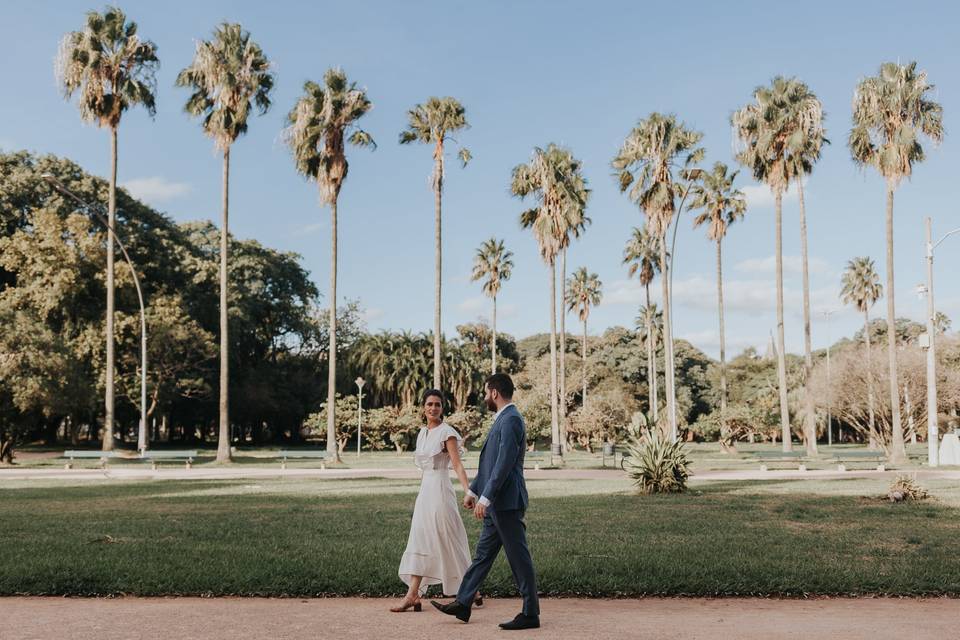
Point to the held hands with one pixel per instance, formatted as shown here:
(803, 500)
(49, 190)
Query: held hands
(480, 511)
(469, 502)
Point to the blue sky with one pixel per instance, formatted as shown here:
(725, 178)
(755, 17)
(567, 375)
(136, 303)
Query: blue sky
(575, 73)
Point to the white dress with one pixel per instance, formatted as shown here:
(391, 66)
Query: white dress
(437, 547)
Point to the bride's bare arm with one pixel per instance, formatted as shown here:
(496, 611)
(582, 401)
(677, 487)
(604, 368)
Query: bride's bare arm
(457, 463)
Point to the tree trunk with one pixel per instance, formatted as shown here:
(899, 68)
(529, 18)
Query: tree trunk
(584, 363)
(809, 421)
(781, 352)
(108, 419)
(332, 448)
(437, 199)
(563, 349)
(898, 452)
(493, 340)
(223, 443)
(723, 350)
(651, 362)
(554, 409)
(668, 343)
(870, 410)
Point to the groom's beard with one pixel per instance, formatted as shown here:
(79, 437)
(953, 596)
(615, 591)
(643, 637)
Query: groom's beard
(491, 405)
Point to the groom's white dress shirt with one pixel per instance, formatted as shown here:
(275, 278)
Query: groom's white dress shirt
(483, 499)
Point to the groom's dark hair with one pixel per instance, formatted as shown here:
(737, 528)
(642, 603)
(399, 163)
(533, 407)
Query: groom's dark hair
(502, 384)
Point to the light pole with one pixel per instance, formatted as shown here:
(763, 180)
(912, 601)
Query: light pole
(933, 432)
(360, 382)
(827, 314)
(142, 433)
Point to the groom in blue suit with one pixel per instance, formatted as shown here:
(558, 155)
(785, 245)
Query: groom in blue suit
(498, 497)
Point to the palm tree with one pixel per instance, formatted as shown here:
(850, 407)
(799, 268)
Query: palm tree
(113, 70)
(642, 257)
(432, 123)
(493, 264)
(647, 162)
(722, 205)
(862, 288)
(555, 179)
(319, 123)
(583, 292)
(649, 323)
(776, 133)
(228, 75)
(563, 339)
(891, 111)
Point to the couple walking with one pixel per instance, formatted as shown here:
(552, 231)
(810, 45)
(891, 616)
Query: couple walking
(437, 550)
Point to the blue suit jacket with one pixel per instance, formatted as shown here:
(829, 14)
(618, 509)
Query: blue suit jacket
(500, 473)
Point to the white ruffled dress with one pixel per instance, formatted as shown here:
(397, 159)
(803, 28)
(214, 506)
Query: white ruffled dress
(437, 547)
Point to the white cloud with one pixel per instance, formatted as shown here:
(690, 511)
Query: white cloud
(6, 144)
(476, 304)
(709, 341)
(374, 313)
(791, 265)
(307, 229)
(759, 196)
(155, 189)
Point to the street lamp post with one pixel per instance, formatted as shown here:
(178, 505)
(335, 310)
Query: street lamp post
(933, 432)
(360, 382)
(827, 314)
(142, 433)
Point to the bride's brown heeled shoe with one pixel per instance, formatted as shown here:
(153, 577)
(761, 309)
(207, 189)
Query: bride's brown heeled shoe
(478, 601)
(405, 606)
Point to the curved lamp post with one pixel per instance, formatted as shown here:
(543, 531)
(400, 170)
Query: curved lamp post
(142, 434)
(360, 382)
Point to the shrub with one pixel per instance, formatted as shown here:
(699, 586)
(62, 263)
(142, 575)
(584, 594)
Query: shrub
(656, 464)
(906, 488)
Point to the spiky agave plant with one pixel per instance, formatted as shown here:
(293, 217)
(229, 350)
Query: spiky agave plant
(656, 463)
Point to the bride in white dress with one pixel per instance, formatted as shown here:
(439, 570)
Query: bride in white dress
(437, 549)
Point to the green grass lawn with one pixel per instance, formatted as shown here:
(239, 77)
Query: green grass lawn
(311, 537)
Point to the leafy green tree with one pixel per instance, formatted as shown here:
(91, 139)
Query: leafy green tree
(321, 121)
(862, 288)
(554, 178)
(583, 292)
(493, 264)
(722, 205)
(642, 256)
(111, 69)
(434, 123)
(891, 112)
(775, 133)
(228, 76)
(647, 166)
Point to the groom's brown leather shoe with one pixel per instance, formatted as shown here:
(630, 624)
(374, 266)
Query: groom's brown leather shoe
(522, 621)
(453, 609)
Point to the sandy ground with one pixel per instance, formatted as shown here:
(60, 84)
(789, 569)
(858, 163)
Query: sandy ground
(341, 618)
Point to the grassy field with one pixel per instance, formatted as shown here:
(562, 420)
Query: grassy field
(705, 456)
(588, 537)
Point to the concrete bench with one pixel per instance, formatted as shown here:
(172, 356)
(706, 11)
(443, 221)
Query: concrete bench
(306, 453)
(103, 456)
(766, 457)
(154, 457)
(876, 457)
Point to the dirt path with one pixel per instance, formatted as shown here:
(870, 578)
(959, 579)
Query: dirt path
(660, 618)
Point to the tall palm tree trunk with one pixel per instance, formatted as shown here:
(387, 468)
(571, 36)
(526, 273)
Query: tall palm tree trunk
(554, 409)
(493, 341)
(332, 448)
(668, 343)
(870, 414)
(898, 452)
(107, 443)
(809, 422)
(563, 351)
(651, 362)
(223, 441)
(438, 262)
(723, 350)
(584, 352)
(781, 353)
